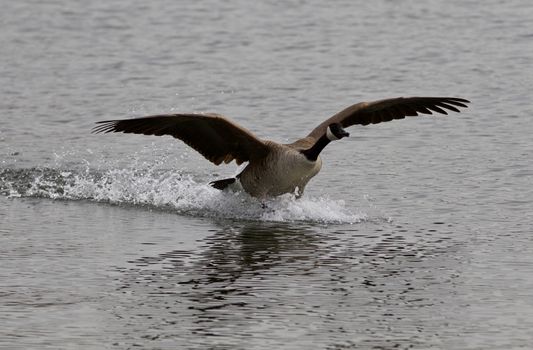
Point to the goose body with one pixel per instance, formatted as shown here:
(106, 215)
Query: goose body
(283, 170)
(274, 168)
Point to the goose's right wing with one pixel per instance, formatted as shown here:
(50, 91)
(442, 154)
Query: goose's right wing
(212, 135)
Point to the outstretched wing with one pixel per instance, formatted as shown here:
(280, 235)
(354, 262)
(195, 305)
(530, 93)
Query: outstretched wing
(212, 135)
(365, 113)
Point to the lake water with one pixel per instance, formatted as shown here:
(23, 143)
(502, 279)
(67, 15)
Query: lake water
(417, 234)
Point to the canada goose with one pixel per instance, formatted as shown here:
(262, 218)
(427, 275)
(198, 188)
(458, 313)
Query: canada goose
(273, 168)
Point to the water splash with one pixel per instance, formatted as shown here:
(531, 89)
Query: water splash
(168, 190)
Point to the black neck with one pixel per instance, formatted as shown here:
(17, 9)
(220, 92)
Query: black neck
(313, 152)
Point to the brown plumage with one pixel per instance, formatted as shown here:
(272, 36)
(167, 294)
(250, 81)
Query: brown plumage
(274, 168)
(380, 111)
(213, 136)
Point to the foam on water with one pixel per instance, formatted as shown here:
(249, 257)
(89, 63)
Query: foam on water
(168, 190)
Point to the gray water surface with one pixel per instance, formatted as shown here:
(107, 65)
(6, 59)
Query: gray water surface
(417, 234)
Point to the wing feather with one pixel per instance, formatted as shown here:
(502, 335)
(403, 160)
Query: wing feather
(365, 113)
(212, 135)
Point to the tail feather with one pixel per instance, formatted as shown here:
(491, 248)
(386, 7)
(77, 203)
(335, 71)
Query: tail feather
(222, 184)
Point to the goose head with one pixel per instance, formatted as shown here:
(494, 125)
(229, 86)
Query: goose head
(336, 132)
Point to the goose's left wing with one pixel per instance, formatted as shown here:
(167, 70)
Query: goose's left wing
(365, 113)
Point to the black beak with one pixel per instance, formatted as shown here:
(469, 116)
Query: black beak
(338, 131)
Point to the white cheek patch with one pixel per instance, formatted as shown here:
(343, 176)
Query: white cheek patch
(330, 135)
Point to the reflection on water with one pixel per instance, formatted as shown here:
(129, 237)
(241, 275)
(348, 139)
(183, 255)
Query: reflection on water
(225, 275)
(371, 282)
